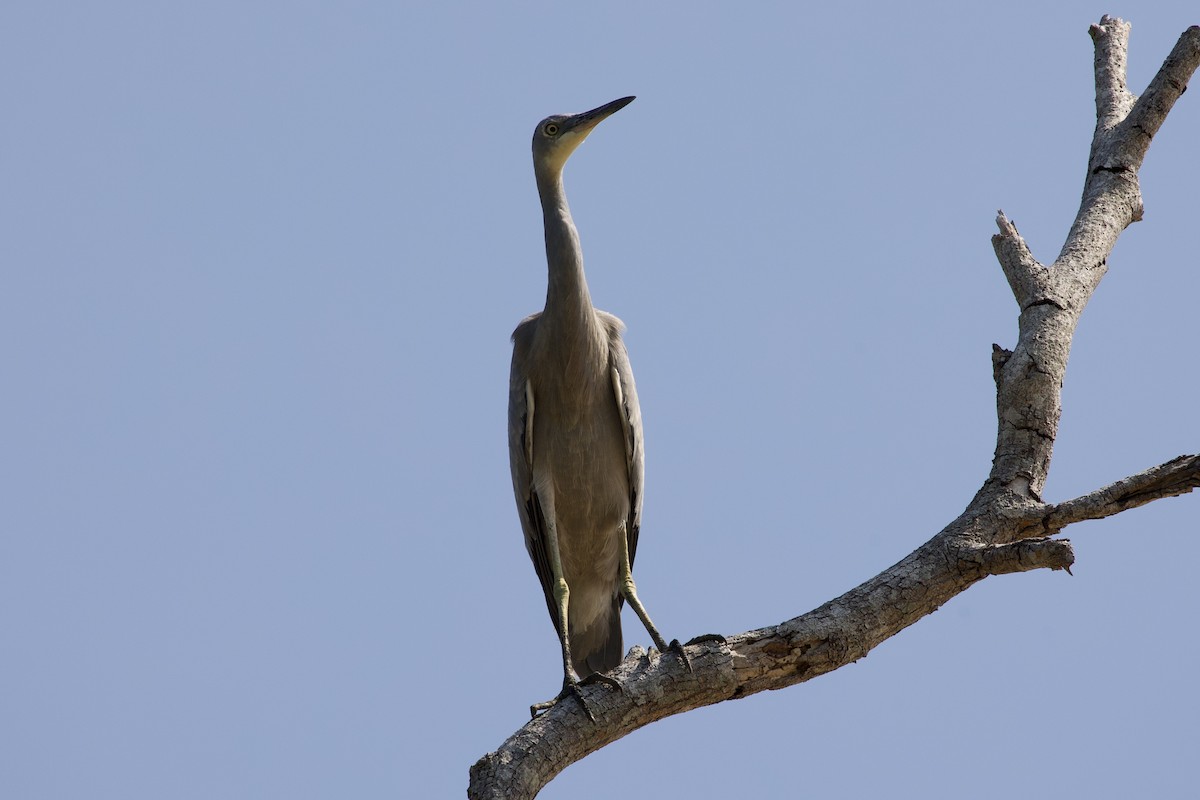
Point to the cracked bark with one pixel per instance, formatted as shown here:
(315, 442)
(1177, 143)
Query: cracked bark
(1006, 527)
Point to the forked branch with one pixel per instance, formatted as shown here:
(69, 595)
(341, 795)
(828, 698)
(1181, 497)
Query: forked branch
(1006, 527)
(1178, 476)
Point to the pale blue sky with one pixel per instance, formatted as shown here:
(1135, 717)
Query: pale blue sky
(261, 262)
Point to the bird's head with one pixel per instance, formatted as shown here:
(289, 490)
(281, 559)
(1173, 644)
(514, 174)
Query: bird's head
(557, 136)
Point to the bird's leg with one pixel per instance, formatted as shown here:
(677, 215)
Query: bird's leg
(629, 591)
(562, 596)
(562, 599)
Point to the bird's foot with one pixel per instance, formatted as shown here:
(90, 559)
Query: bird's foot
(571, 688)
(601, 677)
(679, 650)
(705, 637)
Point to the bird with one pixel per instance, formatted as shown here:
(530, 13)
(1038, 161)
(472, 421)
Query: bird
(575, 436)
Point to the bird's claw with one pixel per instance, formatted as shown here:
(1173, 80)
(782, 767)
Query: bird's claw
(572, 688)
(679, 649)
(600, 677)
(705, 637)
(568, 689)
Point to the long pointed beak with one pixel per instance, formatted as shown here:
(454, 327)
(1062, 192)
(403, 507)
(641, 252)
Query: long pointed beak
(583, 123)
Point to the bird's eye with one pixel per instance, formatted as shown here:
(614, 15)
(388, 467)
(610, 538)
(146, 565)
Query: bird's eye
(550, 129)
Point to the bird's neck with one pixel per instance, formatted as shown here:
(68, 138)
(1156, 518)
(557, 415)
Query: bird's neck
(568, 302)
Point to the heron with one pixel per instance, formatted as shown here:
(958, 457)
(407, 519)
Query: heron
(575, 436)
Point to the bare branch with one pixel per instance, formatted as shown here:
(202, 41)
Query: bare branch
(1167, 86)
(1026, 277)
(1178, 476)
(1027, 555)
(1029, 385)
(1125, 125)
(1113, 99)
(654, 686)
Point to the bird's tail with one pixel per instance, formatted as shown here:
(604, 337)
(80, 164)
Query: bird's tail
(598, 648)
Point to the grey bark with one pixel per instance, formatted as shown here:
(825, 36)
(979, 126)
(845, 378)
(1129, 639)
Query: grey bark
(1005, 528)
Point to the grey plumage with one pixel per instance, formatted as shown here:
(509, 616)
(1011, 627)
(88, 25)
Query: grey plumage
(575, 433)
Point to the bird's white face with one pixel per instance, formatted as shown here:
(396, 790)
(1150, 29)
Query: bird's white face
(557, 136)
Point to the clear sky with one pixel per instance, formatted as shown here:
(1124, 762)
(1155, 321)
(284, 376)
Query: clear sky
(260, 266)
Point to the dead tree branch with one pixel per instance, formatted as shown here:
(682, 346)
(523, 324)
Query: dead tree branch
(1005, 528)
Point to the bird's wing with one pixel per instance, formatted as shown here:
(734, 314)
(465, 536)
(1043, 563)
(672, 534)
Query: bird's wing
(631, 423)
(521, 407)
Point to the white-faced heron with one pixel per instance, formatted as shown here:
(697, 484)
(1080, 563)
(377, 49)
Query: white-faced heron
(575, 434)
